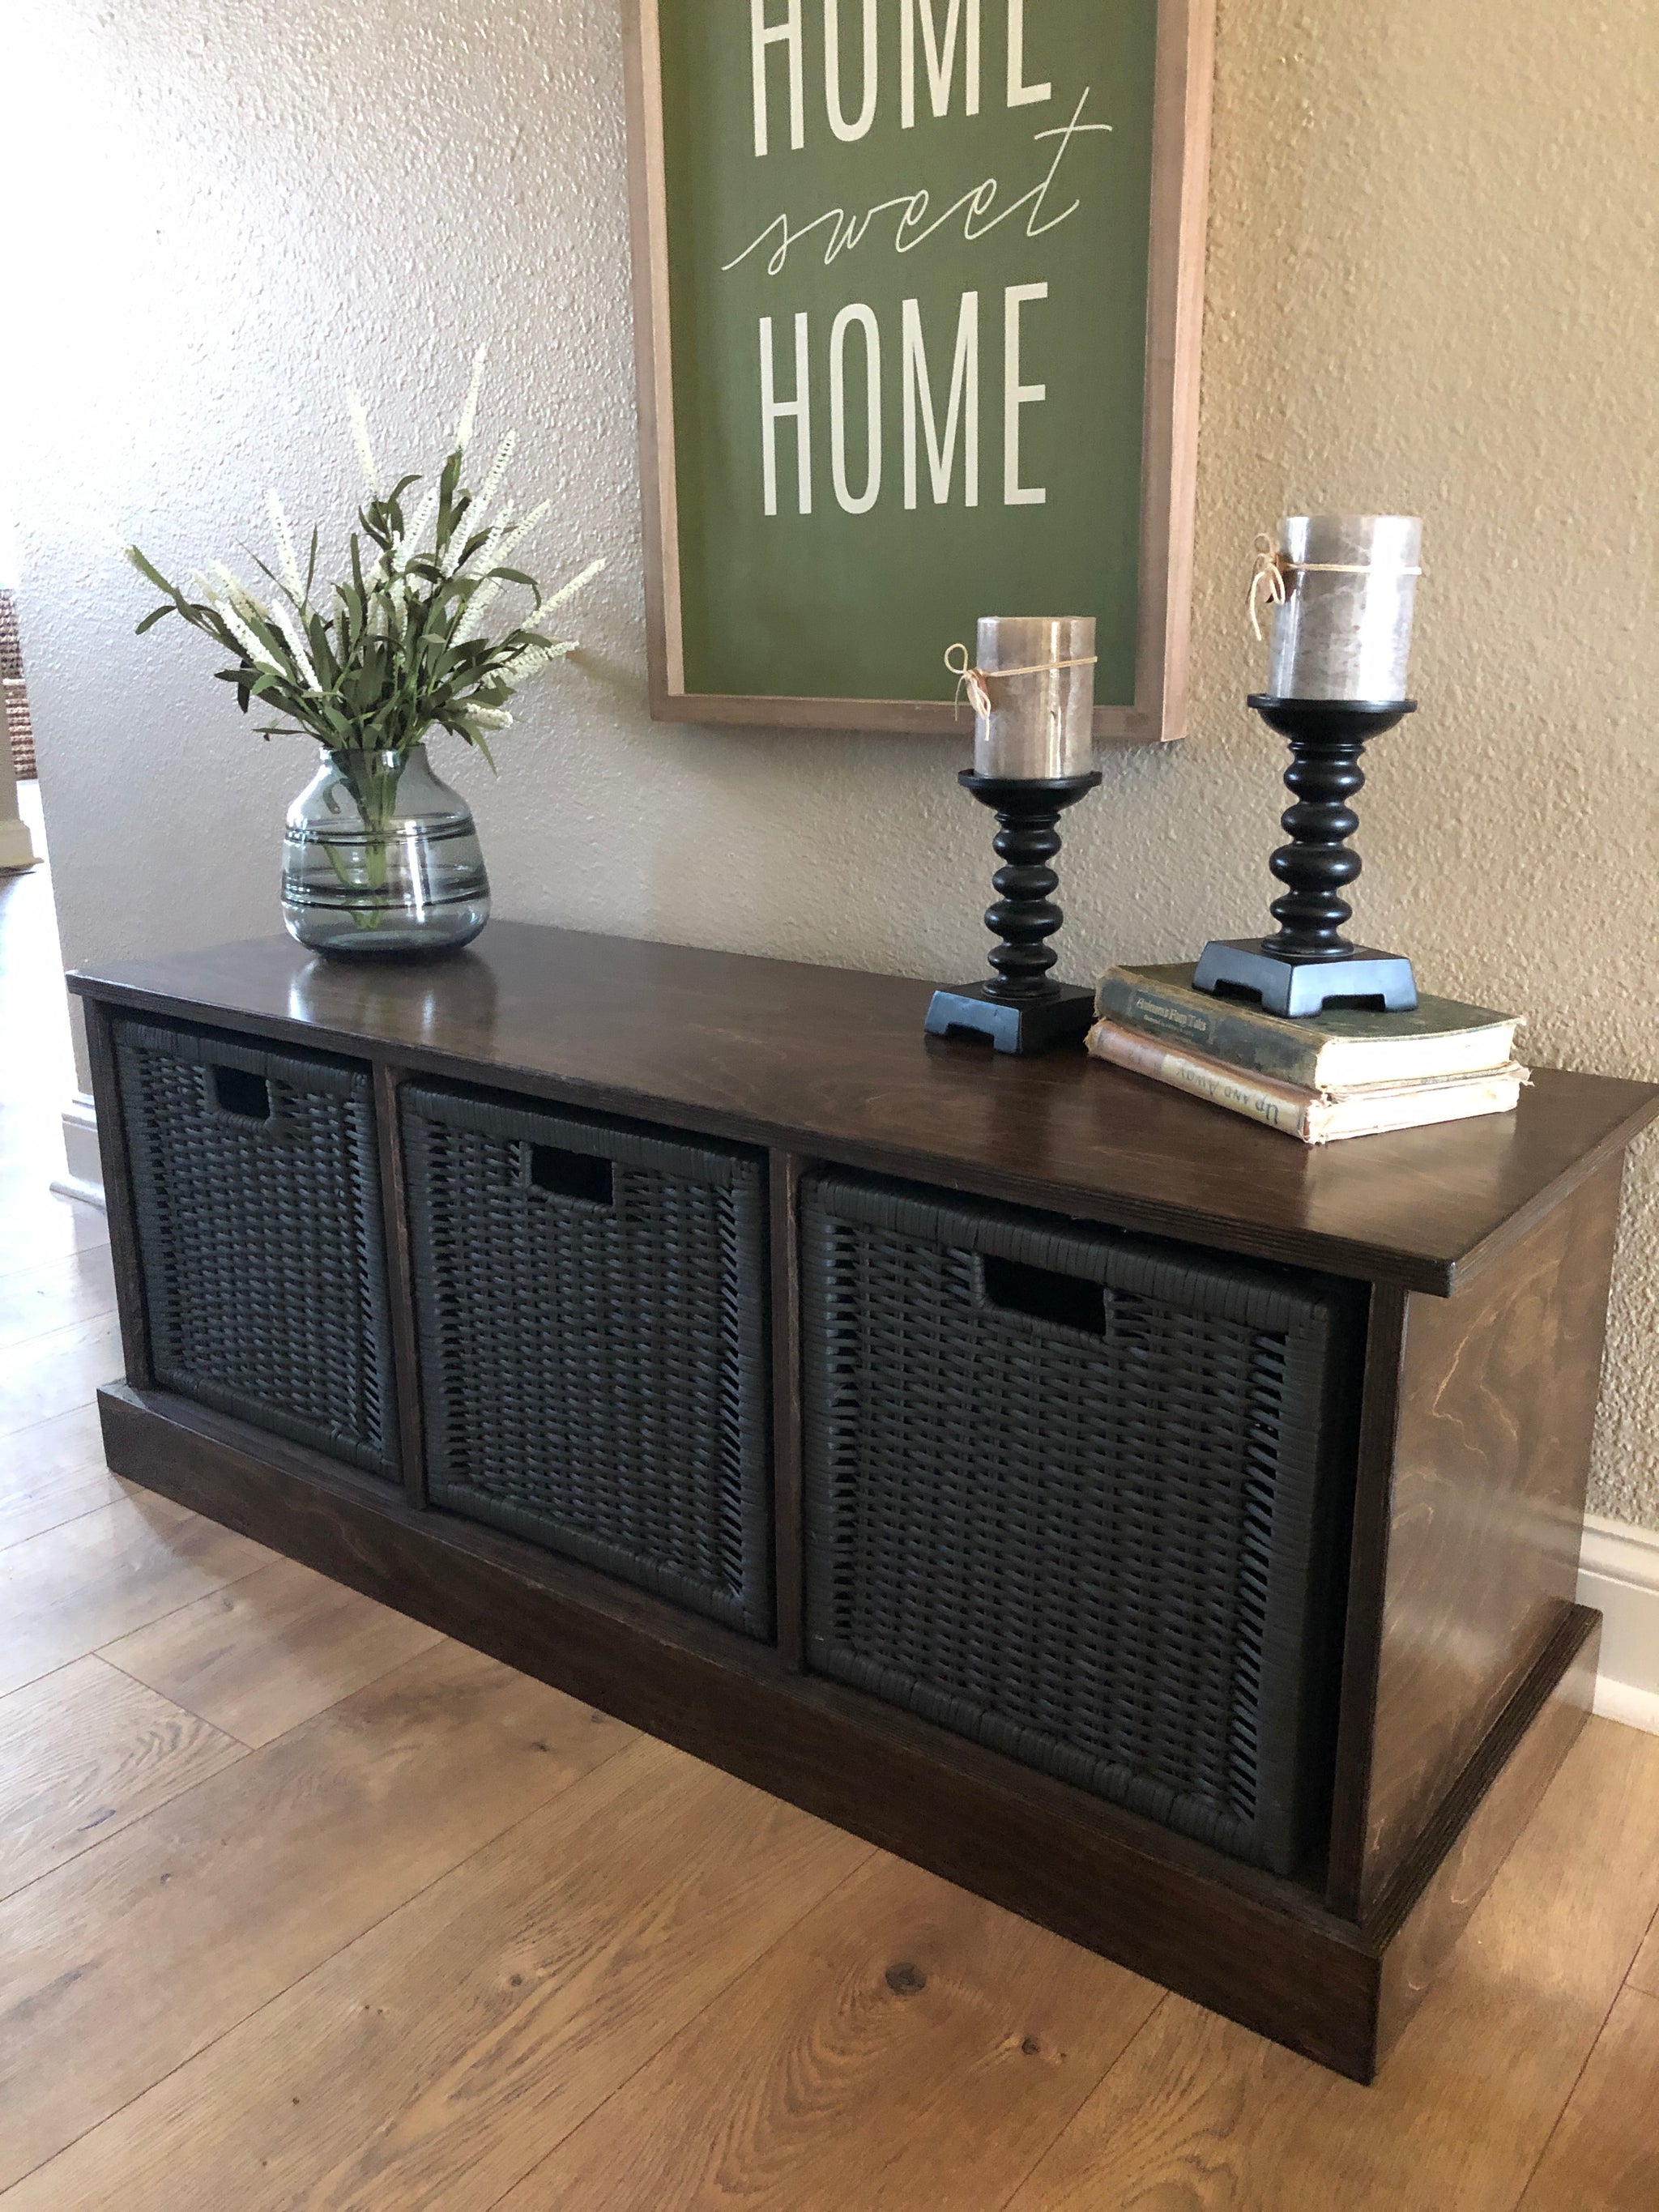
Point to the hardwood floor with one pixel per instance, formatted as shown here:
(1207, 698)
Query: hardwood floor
(302, 1906)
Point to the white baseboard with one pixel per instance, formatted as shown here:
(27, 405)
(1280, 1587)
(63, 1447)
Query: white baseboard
(84, 1173)
(1619, 1574)
(1619, 1569)
(17, 847)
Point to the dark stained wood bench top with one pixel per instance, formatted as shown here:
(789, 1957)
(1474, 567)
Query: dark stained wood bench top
(831, 1063)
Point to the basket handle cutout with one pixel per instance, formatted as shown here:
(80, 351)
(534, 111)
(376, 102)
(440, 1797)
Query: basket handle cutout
(1065, 1301)
(237, 1090)
(580, 1176)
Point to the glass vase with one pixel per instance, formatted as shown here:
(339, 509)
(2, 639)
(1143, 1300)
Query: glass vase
(381, 858)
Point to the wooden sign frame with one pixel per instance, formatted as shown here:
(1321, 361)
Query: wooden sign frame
(1180, 186)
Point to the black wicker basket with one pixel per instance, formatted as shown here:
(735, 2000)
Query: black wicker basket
(256, 1192)
(590, 1307)
(1080, 1497)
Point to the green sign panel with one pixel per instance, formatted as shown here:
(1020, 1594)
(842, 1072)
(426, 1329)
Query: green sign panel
(894, 261)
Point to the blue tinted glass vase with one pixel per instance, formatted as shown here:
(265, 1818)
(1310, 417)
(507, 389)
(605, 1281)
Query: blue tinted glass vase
(381, 858)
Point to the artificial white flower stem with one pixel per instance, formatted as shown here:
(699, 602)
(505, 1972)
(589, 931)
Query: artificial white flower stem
(360, 438)
(469, 412)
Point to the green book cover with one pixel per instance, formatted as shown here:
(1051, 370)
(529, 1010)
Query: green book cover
(1344, 1045)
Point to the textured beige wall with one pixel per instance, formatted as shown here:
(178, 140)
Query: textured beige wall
(1431, 288)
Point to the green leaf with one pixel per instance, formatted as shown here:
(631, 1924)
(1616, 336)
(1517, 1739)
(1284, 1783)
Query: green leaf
(148, 569)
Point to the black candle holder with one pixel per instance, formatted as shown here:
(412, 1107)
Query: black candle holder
(1309, 964)
(1021, 1009)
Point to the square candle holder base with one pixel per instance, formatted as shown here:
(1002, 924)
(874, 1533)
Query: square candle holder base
(1063, 1015)
(1299, 988)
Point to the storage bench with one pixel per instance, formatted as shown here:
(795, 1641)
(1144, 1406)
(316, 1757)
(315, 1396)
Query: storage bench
(1164, 1530)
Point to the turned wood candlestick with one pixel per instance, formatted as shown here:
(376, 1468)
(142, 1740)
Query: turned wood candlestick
(1308, 964)
(1021, 1009)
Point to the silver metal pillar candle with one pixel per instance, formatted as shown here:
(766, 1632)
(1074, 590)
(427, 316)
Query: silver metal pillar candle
(1040, 725)
(1344, 629)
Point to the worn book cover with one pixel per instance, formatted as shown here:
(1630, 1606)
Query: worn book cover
(1334, 1050)
(1316, 1117)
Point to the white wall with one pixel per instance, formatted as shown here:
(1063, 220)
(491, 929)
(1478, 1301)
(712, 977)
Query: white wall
(1430, 289)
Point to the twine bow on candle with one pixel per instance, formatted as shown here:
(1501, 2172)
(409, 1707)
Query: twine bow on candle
(1269, 577)
(1272, 567)
(976, 681)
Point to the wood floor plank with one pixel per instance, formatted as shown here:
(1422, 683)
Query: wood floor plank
(76, 1287)
(907, 2045)
(430, 2065)
(1645, 1974)
(270, 1650)
(70, 1441)
(40, 1224)
(1604, 2156)
(129, 1960)
(57, 1372)
(106, 1573)
(29, 1509)
(1202, 2116)
(52, 1473)
(85, 1753)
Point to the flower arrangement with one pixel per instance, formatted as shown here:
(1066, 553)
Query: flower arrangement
(397, 647)
(369, 665)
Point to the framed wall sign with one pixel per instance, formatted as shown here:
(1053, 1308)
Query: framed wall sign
(918, 288)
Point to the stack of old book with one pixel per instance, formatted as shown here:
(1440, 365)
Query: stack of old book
(1341, 1073)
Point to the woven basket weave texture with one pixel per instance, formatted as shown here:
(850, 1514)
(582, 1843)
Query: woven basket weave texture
(1105, 1549)
(594, 1362)
(260, 1238)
